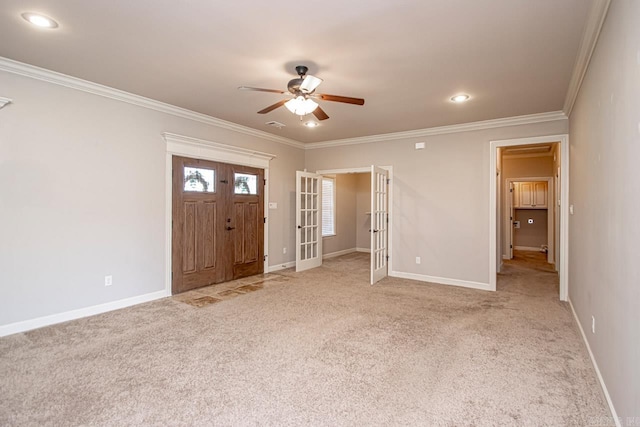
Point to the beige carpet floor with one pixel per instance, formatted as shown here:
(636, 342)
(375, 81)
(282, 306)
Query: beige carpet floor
(319, 348)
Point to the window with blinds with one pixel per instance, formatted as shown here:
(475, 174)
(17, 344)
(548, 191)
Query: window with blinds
(328, 207)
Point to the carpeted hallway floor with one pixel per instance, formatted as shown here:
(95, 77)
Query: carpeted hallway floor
(319, 348)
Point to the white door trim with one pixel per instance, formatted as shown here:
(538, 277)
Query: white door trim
(185, 146)
(563, 139)
(367, 169)
(550, 211)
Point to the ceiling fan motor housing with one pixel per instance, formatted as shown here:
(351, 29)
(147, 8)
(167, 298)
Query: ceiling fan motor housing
(294, 85)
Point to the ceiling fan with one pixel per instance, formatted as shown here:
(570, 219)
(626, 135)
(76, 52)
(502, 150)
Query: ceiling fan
(302, 93)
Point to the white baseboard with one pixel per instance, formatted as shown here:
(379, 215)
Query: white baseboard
(527, 248)
(442, 280)
(290, 264)
(39, 322)
(284, 266)
(595, 366)
(339, 253)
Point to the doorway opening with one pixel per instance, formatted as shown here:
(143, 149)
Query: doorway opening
(529, 209)
(341, 211)
(529, 204)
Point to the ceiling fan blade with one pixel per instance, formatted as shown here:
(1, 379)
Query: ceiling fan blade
(337, 98)
(320, 114)
(310, 83)
(257, 89)
(272, 107)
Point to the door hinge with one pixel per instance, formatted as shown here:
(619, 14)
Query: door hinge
(387, 218)
(388, 181)
(510, 246)
(265, 219)
(511, 190)
(264, 258)
(387, 257)
(265, 181)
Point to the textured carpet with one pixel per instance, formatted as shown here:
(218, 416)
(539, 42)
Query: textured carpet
(318, 348)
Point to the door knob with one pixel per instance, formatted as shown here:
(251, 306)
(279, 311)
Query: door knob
(299, 226)
(230, 228)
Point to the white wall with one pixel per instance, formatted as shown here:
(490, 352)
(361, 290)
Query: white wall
(604, 272)
(440, 196)
(82, 193)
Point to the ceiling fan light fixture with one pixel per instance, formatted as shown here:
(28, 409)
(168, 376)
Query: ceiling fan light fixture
(463, 97)
(39, 20)
(301, 106)
(310, 83)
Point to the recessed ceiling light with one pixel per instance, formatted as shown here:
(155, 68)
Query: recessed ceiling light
(311, 124)
(40, 20)
(460, 98)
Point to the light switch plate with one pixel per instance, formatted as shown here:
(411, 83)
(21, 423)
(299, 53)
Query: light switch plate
(273, 205)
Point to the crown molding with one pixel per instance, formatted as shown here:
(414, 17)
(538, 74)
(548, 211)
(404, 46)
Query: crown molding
(49, 76)
(593, 26)
(54, 77)
(224, 150)
(442, 130)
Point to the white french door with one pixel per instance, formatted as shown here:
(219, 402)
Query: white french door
(308, 220)
(379, 223)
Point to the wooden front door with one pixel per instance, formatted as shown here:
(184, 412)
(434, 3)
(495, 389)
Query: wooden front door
(217, 224)
(247, 221)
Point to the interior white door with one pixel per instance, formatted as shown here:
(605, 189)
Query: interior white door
(511, 219)
(309, 220)
(379, 223)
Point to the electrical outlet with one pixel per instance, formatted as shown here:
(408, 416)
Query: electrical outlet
(284, 250)
(418, 260)
(593, 324)
(108, 280)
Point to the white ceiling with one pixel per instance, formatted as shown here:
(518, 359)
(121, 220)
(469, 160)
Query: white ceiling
(406, 58)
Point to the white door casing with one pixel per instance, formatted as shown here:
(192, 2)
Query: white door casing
(308, 220)
(563, 219)
(379, 223)
(511, 219)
